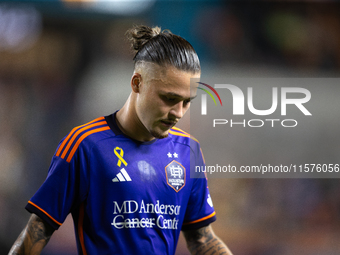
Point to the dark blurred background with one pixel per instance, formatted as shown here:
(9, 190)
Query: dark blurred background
(63, 63)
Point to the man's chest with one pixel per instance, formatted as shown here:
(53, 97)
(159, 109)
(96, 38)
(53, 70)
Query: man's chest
(134, 169)
(131, 184)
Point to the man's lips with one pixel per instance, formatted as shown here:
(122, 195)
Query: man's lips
(168, 123)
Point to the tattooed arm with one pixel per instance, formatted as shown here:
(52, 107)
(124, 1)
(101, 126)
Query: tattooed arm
(204, 241)
(33, 238)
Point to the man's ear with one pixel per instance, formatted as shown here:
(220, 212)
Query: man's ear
(136, 81)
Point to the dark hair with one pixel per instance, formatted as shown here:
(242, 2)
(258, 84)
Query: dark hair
(163, 48)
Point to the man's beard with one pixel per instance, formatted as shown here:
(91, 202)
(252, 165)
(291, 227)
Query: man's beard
(158, 135)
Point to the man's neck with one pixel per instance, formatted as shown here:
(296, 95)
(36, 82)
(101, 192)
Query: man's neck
(129, 123)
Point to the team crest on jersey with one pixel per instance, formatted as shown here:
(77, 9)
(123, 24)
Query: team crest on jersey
(175, 175)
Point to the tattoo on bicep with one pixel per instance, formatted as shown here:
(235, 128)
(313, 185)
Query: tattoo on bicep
(38, 231)
(33, 238)
(200, 235)
(203, 241)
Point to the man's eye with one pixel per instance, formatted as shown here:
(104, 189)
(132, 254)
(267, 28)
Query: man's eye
(187, 101)
(170, 99)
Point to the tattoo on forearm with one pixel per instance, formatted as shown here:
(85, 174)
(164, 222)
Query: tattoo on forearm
(33, 238)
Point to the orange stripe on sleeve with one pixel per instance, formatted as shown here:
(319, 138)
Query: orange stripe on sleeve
(80, 229)
(71, 133)
(180, 130)
(30, 202)
(202, 219)
(179, 134)
(77, 133)
(184, 135)
(202, 155)
(75, 147)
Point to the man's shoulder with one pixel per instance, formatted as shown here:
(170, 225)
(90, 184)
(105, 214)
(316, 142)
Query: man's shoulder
(89, 132)
(180, 136)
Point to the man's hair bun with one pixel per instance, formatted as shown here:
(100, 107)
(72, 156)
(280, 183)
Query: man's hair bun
(139, 35)
(163, 48)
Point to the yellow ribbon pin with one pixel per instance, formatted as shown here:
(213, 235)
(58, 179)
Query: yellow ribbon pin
(120, 156)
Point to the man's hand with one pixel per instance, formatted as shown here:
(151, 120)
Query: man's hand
(33, 238)
(204, 241)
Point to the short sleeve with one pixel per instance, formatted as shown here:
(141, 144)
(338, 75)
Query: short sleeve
(200, 211)
(63, 189)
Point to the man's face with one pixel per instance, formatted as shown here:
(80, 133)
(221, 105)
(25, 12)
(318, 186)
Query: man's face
(163, 99)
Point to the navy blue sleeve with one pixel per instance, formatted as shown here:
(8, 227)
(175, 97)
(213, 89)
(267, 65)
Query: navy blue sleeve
(63, 189)
(200, 211)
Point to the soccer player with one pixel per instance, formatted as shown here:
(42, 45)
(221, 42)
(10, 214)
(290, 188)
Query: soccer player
(125, 178)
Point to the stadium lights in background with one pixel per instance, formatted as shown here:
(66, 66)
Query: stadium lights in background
(21, 21)
(20, 27)
(118, 7)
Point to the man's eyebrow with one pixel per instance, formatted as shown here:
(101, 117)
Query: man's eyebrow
(179, 96)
